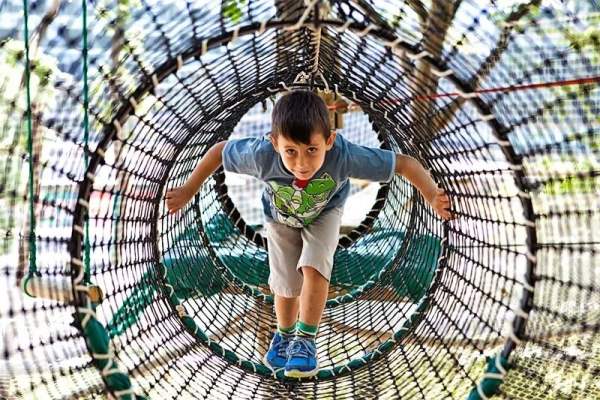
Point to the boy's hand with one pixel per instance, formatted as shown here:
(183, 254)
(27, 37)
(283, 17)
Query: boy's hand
(177, 198)
(441, 204)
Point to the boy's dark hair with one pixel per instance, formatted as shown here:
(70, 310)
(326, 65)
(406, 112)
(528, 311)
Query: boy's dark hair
(298, 114)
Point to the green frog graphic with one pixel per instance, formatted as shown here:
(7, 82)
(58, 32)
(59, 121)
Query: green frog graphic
(301, 206)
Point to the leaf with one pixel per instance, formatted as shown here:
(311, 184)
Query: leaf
(232, 9)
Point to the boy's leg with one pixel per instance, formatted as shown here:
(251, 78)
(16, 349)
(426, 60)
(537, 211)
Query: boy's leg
(320, 241)
(285, 246)
(313, 296)
(286, 310)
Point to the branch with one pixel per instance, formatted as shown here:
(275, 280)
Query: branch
(372, 14)
(418, 7)
(39, 33)
(41, 29)
(443, 117)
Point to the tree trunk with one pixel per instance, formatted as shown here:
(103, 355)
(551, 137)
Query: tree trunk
(424, 82)
(444, 116)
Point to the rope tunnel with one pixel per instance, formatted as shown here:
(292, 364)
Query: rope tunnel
(106, 105)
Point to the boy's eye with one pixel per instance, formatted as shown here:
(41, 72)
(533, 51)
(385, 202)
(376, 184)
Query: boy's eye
(290, 152)
(312, 150)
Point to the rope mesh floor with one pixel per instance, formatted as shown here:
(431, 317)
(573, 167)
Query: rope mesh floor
(500, 101)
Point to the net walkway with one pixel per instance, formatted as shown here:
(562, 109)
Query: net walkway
(112, 103)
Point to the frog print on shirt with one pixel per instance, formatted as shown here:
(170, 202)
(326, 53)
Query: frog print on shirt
(298, 206)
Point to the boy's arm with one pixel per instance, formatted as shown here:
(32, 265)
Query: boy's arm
(178, 197)
(412, 170)
(207, 165)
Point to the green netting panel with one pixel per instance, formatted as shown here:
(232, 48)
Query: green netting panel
(498, 99)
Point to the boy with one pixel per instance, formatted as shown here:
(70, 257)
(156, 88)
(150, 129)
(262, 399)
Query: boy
(306, 168)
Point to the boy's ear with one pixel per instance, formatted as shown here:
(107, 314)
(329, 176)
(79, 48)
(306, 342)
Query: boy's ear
(331, 139)
(273, 140)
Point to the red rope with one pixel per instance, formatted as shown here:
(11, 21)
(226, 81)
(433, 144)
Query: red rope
(503, 89)
(512, 88)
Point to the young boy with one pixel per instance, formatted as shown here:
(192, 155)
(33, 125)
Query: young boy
(306, 167)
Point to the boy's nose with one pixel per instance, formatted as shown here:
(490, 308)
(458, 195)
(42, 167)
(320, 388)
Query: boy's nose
(302, 163)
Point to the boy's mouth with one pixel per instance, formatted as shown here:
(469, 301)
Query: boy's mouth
(302, 174)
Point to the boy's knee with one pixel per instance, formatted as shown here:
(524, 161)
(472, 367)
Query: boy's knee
(285, 292)
(311, 273)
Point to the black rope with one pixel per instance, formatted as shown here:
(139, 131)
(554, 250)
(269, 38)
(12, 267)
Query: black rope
(414, 304)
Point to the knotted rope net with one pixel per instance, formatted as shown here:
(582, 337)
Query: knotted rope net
(105, 105)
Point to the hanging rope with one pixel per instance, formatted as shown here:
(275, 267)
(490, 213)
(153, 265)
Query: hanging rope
(31, 187)
(86, 135)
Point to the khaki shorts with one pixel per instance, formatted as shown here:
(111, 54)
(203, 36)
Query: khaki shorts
(290, 249)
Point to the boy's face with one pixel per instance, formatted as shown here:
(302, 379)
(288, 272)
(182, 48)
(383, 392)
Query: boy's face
(303, 160)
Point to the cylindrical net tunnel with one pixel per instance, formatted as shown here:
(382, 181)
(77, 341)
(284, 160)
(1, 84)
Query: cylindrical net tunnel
(112, 103)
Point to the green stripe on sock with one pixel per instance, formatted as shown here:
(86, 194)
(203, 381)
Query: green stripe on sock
(287, 331)
(303, 329)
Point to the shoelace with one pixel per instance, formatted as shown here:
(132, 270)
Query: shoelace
(300, 347)
(283, 344)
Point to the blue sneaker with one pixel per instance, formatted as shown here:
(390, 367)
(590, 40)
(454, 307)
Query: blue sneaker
(276, 357)
(302, 358)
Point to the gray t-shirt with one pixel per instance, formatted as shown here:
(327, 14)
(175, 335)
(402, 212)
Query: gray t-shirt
(287, 203)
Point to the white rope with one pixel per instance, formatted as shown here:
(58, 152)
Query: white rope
(418, 56)
(531, 257)
(324, 81)
(393, 44)
(317, 45)
(301, 20)
(480, 391)
(302, 77)
(118, 129)
(78, 229)
(487, 117)
(469, 95)
(125, 392)
(368, 29)
(89, 314)
(83, 288)
(441, 74)
(513, 336)
(499, 365)
(520, 312)
(133, 102)
(344, 27)
(527, 286)
(263, 26)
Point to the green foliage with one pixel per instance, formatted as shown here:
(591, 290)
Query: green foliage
(590, 140)
(572, 185)
(232, 9)
(120, 14)
(13, 57)
(589, 39)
